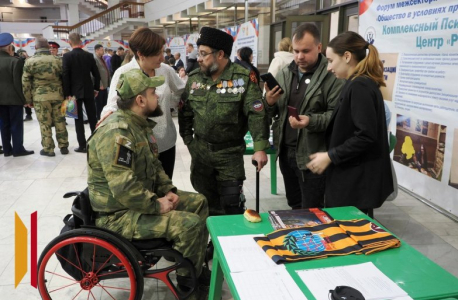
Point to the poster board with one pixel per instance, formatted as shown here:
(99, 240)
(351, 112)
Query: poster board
(418, 43)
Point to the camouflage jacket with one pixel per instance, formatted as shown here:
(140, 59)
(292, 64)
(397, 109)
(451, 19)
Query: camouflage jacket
(224, 110)
(125, 177)
(42, 77)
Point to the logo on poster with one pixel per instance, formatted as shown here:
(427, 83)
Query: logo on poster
(370, 35)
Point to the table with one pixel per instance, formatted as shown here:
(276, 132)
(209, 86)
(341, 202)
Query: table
(420, 277)
(272, 157)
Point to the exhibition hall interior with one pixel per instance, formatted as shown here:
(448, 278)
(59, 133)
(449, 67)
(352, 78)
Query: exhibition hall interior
(407, 247)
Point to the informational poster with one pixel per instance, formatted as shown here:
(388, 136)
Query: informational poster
(177, 44)
(418, 43)
(247, 36)
(28, 44)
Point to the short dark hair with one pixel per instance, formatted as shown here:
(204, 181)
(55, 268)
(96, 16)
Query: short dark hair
(168, 50)
(309, 28)
(245, 54)
(127, 104)
(120, 48)
(147, 42)
(97, 47)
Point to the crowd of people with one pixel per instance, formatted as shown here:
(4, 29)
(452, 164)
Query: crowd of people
(334, 153)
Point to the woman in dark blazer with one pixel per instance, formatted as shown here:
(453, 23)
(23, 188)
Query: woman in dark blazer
(357, 164)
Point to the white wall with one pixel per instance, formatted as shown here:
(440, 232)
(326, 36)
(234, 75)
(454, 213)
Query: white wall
(19, 14)
(161, 8)
(23, 28)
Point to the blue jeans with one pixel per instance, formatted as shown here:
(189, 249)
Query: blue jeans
(303, 188)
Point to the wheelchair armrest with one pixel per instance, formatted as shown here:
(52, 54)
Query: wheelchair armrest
(72, 194)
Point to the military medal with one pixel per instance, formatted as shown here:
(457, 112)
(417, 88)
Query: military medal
(235, 90)
(229, 84)
(307, 81)
(198, 85)
(241, 83)
(208, 87)
(192, 91)
(223, 90)
(218, 87)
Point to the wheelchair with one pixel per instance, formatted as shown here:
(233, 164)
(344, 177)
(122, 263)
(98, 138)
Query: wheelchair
(89, 262)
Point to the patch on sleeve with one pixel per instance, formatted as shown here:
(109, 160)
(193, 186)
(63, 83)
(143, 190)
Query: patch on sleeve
(253, 77)
(258, 106)
(124, 152)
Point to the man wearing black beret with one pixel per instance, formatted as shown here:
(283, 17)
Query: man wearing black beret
(221, 102)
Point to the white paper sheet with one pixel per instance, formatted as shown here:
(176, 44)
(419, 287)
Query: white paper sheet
(243, 254)
(272, 284)
(366, 278)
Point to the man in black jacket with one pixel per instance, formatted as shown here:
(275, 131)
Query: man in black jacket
(11, 99)
(116, 60)
(192, 63)
(78, 65)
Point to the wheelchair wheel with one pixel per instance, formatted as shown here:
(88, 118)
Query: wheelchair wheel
(103, 268)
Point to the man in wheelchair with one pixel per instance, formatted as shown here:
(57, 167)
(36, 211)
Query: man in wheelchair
(128, 188)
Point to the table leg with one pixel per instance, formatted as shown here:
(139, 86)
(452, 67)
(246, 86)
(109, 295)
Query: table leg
(216, 282)
(273, 174)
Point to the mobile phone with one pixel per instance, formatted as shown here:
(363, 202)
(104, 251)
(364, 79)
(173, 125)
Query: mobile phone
(271, 81)
(293, 112)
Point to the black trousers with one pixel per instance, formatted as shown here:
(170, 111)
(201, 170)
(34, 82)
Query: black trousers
(89, 105)
(12, 128)
(303, 188)
(100, 102)
(167, 159)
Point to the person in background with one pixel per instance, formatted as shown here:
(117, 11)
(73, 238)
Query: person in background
(191, 63)
(147, 48)
(178, 61)
(22, 54)
(246, 59)
(54, 48)
(105, 80)
(42, 85)
(314, 92)
(171, 63)
(107, 58)
(283, 57)
(11, 99)
(357, 160)
(127, 57)
(116, 59)
(65, 50)
(78, 67)
(168, 54)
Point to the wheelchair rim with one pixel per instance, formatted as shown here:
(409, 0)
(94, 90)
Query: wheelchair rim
(91, 279)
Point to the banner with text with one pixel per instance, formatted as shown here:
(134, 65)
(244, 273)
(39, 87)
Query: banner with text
(418, 43)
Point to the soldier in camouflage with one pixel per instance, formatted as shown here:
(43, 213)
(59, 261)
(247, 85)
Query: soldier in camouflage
(221, 102)
(42, 86)
(128, 188)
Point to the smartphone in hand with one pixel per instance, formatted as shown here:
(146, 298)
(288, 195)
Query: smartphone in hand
(271, 81)
(292, 111)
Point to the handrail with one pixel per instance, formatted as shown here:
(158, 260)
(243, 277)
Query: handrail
(98, 21)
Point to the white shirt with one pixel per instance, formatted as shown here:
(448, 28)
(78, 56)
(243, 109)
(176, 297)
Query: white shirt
(165, 131)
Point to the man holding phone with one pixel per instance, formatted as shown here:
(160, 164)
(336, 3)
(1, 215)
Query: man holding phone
(312, 92)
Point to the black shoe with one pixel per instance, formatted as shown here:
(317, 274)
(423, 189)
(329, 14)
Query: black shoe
(64, 150)
(44, 153)
(205, 277)
(1, 150)
(28, 118)
(81, 150)
(23, 153)
(86, 122)
(209, 252)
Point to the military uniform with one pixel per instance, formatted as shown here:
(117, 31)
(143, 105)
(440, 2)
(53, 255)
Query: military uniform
(42, 86)
(214, 117)
(125, 180)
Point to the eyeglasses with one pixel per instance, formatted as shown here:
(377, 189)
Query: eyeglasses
(204, 54)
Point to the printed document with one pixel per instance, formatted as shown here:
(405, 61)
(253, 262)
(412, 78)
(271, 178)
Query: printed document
(366, 278)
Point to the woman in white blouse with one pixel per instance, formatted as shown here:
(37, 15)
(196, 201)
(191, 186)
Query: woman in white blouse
(147, 47)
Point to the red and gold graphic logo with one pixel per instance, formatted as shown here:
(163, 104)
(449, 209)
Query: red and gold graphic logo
(20, 250)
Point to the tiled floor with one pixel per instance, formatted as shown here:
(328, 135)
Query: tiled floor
(37, 183)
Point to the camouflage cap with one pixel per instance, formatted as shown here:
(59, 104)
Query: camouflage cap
(134, 82)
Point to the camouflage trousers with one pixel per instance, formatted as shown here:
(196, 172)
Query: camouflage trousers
(185, 226)
(210, 168)
(48, 112)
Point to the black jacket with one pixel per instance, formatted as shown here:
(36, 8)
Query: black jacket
(191, 65)
(179, 63)
(357, 142)
(10, 80)
(115, 62)
(78, 65)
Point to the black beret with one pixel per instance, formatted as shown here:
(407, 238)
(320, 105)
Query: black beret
(216, 39)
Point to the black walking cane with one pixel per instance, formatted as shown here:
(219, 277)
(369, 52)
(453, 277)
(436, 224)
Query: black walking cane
(255, 163)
